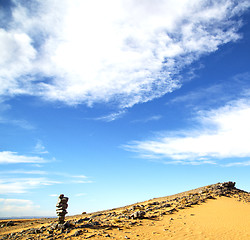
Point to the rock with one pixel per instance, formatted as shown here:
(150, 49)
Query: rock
(53, 226)
(138, 214)
(90, 236)
(67, 224)
(96, 223)
(96, 215)
(154, 203)
(77, 233)
(10, 223)
(166, 205)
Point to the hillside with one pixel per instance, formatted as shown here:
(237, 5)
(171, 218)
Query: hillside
(218, 211)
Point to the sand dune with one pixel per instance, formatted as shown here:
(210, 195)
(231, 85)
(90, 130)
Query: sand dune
(218, 211)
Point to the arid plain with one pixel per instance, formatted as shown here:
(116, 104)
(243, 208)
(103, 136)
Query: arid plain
(217, 211)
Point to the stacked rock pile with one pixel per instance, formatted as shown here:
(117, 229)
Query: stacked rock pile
(61, 208)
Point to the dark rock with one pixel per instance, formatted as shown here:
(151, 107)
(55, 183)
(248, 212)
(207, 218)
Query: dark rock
(166, 205)
(96, 223)
(88, 225)
(10, 223)
(154, 203)
(138, 214)
(96, 215)
(67, 224)
(90, 236)
(54, 226)
(61, 226)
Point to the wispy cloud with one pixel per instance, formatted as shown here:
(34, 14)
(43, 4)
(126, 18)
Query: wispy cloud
(20, 207)
(215, 95)
(54, 195)
(112, 116)
(80, 194)
(237, 164)
(81, 181)
(40, 148)
(148, 119)
(7, 157)
(23, 185)
(220, 134)
(124, 52)
(21, 171)
(15, 122)
(80, 176)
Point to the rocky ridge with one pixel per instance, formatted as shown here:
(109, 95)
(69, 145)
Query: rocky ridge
(99, 225)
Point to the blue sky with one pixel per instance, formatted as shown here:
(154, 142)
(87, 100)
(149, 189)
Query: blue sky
(115, 102)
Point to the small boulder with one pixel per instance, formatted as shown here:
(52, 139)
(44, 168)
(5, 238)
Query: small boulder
(138, 214)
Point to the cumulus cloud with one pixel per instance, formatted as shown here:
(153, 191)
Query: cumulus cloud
(120, 51)
(222, 133)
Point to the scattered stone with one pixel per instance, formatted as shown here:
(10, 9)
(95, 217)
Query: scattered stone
(53, 226)
(90, 236)
(138, 214)
(77, 233)
(10, 223)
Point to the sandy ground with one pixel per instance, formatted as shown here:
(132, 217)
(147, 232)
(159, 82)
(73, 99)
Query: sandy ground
(223, 218)
(219, 218)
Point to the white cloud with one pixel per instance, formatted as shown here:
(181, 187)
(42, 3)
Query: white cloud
(80, 176)
(220, 134)
(40, 148)
(80, 194)
(21, 171)
(7, 157)
(217, 94)
(22, 185)
(81, 181)
(148, 119)
(112, 116)
(54, 195)
(20, 208)
(237, 164)
(17, 122)
(122, 51)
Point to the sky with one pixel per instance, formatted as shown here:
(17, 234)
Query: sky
(120, 101)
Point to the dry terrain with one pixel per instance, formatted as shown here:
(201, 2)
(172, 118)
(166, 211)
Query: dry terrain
(218, 211)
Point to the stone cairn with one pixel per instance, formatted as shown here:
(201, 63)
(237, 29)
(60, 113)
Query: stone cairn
(61, 207)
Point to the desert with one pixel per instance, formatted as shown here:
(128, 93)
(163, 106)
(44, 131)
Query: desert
(217, 211)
